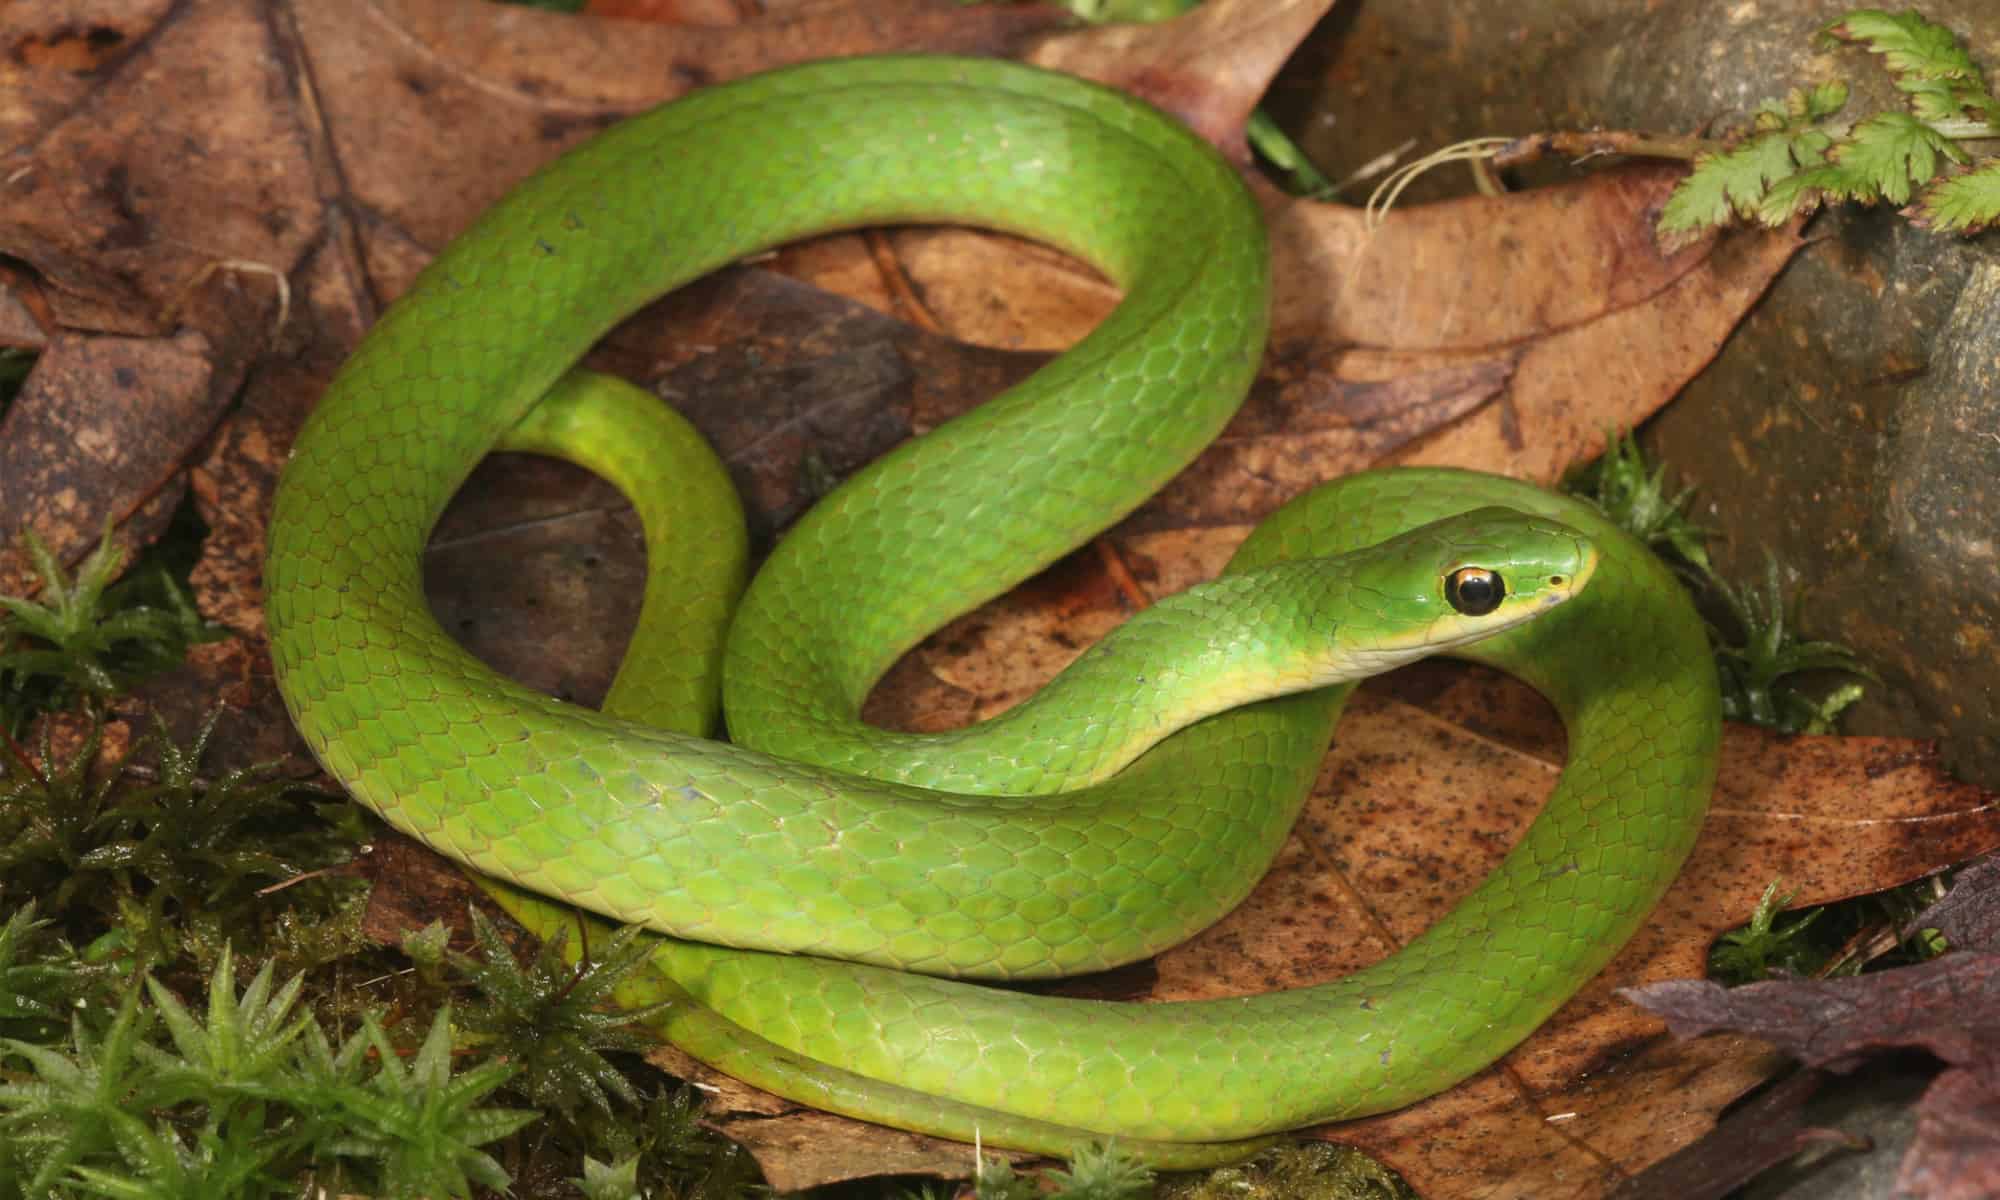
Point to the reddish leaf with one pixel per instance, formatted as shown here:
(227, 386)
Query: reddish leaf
(1949, 1006)
(1969, 915)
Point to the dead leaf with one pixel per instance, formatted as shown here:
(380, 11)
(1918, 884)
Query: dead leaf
(1949, 1006)
(1209, 67)
(797, 388)
(1969, 914)
(1764, 1133)
(1946, 1006)
(1954, 1156)
(167, 188)
(485, 94)
(20, 327)
(669, 12)
(98, 435)
(798, 1148)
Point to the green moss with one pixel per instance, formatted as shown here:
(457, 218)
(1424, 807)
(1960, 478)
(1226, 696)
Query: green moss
(1308, 1171)
(85, 639)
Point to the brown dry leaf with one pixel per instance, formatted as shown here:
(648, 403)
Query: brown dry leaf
(795, 387)
(150, 180)
(485, 94)
(22, 327)
(230, 166)
(148, 186)
(1958, 1125)
(98, 435)
(669, 12)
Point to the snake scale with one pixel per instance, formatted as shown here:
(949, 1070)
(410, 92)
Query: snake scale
(812, 837)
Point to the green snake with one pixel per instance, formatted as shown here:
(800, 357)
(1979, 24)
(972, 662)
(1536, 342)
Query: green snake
(813, 837)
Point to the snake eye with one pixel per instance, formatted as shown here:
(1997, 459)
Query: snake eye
(1474, 591)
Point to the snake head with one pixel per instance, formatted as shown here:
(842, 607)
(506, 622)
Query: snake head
(1429, 590)
(1439, 587)
(1495, 568)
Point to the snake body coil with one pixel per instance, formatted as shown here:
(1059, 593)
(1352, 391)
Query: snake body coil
(773, 846)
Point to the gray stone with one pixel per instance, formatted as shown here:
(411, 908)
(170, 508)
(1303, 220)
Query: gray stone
(1852, 425)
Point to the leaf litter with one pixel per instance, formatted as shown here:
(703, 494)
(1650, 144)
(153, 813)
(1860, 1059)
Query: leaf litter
(1504, 333)
(1948, 1006)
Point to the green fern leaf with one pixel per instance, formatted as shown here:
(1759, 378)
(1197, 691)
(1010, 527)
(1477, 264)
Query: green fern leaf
(1963, 203)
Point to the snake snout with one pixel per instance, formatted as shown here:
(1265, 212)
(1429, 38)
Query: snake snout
(1586, 566)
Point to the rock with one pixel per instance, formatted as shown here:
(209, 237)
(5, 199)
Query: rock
(1852, 425)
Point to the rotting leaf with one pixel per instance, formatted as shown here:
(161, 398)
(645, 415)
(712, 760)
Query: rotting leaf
(1969, 915)
(99, 434)
(1763, 1133)
(79, 51)
(1949, 1006)
(540, 82)
(169, 191)
(1208, 67)
(1956, 1152)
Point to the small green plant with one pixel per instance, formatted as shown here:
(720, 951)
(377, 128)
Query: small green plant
(610, 1181)
(78, 1101)
(51, 813)
(207, 844)
(1319, 1170)
(160, 1165)
(555, 1020)
(1623, 487)
(42, 979)
(1757, 672)
(1758, 653)
(148, 858)
(1796, 154)
(244, 1100)
(87, 639)
(1861, 933)
(1101, 1172)
(996, 1179)
(1764, 946)
(421, 1126)
(154, 868)
(243, 1050)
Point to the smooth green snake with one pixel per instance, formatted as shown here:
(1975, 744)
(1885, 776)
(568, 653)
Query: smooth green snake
(777, 844)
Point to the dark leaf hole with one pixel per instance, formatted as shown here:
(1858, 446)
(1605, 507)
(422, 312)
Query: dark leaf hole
(71, 49)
